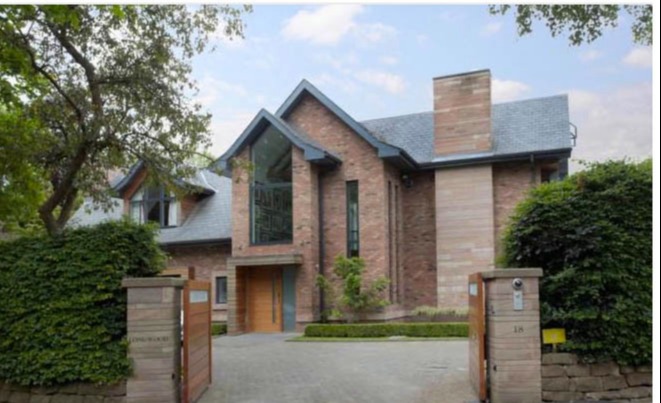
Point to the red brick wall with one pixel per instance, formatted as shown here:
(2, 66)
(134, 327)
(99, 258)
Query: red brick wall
(305, 241)
(511, 182)
(209, 261)
(419, 241)
(462, 113)
(361, 163)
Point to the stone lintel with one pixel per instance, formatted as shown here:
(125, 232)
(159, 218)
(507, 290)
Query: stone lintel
(265, 260)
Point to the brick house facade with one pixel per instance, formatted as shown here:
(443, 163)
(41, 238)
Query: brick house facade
(423, 198)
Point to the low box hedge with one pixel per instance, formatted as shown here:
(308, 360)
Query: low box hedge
(218, 328)
(388, 330)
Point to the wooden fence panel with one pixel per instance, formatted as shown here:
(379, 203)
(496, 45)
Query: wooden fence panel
(197, 340)
(477, 336)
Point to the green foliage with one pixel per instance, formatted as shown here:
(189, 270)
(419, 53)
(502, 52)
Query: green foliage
(108, 85)
(592, 235)
(63, 311)
(583, 22)
(433, 312)
(355, 297)
(388, 330)
(22, 184)
(218, 328)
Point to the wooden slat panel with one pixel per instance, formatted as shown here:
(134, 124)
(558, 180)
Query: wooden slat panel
(197, 342)
(476, 343)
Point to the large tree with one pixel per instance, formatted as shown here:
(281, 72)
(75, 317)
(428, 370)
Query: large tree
(104, 86)
(582, 22)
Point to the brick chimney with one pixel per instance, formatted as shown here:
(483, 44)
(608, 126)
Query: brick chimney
(462, 113)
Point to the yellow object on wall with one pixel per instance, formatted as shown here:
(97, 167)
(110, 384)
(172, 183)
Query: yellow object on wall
(553, 336)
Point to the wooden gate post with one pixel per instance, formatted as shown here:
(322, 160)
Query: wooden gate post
(154, 335)
(513, 335)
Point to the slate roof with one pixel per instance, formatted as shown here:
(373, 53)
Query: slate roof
(534, 126)
(91, 214)
(529, 126)
(210, 219)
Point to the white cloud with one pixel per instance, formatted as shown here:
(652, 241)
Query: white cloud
(389, 60)
(344, 83)
(422, 39)
(507, 90)
(590, 55)
(325, 25)
(492, 28)
(639, 57)
(373, 33)
(389, 82)
(226, 127)
(613, 123)
(213, 89)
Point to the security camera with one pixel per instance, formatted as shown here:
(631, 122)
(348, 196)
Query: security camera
(517, 284)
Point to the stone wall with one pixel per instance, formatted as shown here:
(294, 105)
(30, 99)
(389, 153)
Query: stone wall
(71, 393)
(565, 379)
(464, 230)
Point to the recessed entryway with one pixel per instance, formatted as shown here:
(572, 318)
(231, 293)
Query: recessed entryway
(264, 299)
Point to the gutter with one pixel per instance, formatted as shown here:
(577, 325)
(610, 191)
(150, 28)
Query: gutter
(487, 159)
(194, 242)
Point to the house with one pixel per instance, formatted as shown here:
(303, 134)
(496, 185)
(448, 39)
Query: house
(423, 198)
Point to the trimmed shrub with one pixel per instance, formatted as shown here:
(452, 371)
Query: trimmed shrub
(63, 311)
(592, 235)
(388, 330)
(218, 328)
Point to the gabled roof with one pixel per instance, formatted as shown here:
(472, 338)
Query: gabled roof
(197, 182)
(313, 151)
(535, 126)
(209, 221)
(390, 152)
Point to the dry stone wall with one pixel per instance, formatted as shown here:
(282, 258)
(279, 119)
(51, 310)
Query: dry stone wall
(565, 379)
(71, 393)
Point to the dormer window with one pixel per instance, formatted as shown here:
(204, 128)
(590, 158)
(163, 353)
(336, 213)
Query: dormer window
(153, 203)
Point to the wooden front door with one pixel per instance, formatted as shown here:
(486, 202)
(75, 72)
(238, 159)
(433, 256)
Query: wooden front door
(264, 296)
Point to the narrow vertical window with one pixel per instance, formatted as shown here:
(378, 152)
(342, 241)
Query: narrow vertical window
(353, 232)
(391, 246)
(221, 290)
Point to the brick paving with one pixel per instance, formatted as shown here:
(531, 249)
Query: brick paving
(264, 368)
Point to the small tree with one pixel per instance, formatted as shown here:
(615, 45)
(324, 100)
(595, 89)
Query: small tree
(354, 297)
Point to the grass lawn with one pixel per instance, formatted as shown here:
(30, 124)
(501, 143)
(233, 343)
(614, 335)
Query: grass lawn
(370, 339)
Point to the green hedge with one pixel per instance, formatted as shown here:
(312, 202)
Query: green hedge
(592, 235)
(218, 328)
(63, 311)
(388, 329)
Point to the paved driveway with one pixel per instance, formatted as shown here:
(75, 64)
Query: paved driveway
(265, 368)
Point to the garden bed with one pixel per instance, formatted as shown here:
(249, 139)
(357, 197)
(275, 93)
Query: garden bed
(386, 330)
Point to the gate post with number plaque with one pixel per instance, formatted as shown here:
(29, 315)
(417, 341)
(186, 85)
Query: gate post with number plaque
(513, 335)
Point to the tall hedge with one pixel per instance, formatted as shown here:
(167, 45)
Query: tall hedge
(592, 235)
(63, 311)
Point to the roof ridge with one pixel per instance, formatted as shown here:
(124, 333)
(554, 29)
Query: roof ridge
(397, 116)
(531, 99)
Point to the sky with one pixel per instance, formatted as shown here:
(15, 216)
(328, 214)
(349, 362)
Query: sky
(379, 60)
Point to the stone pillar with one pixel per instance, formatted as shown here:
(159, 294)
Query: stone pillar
(514, 348)
(154, 335)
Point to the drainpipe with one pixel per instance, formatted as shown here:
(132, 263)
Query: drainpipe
(533, 174)
(322, 246)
